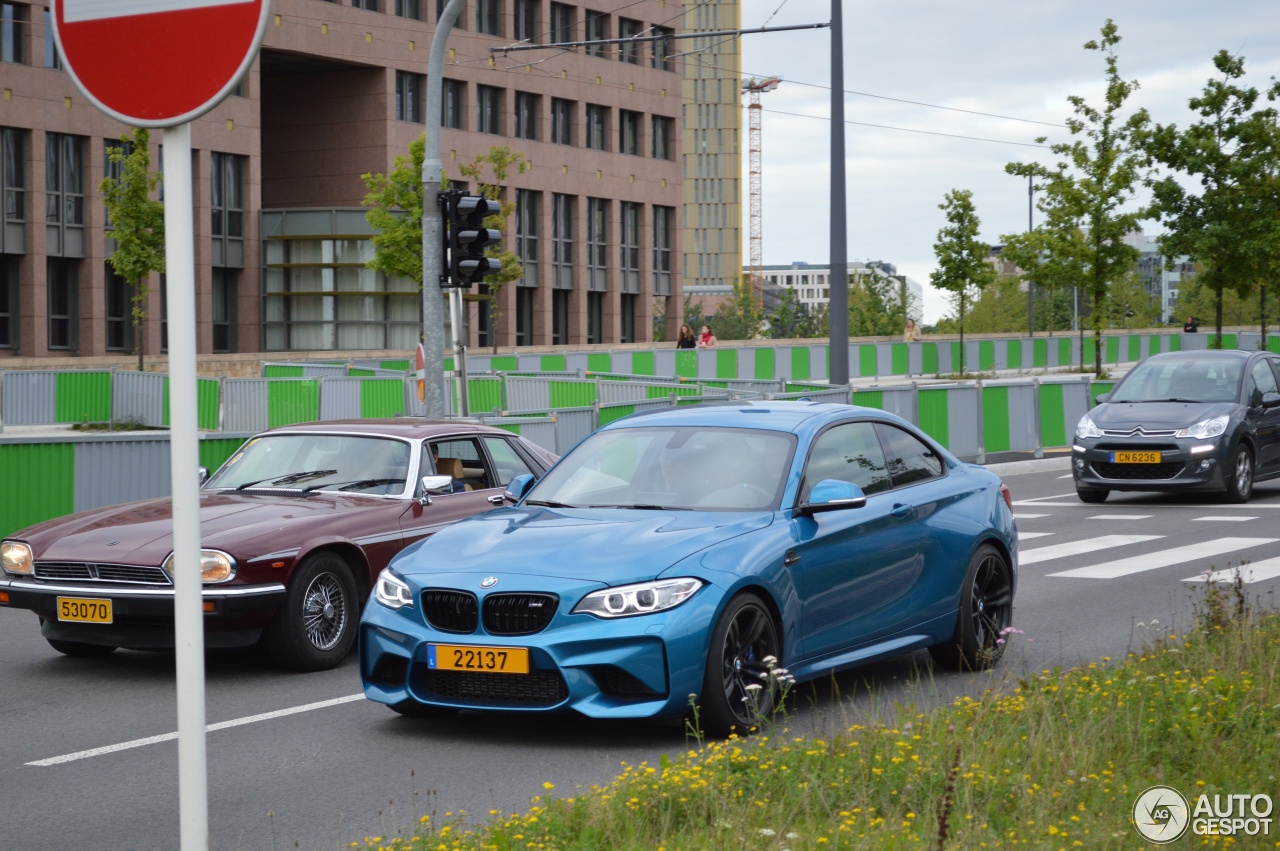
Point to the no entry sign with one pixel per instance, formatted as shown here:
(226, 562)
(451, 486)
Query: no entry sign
(157, 63)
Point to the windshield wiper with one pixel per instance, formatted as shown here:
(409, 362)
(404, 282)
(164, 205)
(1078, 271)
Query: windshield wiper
(289, 478)
(646, 507)
(358, 483)
(549, 503)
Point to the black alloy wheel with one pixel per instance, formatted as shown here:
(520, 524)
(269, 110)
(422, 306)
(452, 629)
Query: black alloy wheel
(744, 648)
(986, 612)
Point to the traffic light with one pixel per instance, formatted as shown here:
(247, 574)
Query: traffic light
(468, 238)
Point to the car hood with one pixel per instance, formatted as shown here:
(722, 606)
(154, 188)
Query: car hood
(1122, 416)
(244, 524)
(607, 545)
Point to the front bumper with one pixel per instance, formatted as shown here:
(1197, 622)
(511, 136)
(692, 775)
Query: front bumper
(638, 667)
(142, 618)
(1184, 464)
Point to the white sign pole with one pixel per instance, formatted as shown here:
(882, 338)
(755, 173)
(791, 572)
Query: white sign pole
(188, 615)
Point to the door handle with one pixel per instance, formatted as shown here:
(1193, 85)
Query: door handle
(902, 512)
(791, 558)
(497, 500)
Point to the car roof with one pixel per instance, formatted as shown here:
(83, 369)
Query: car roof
(414, 428)
(790, 416)
(1209, 354)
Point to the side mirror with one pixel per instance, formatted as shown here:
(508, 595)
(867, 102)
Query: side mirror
(1270, 400)
(833, 495)
(437, 485)
(202, 474)
(1102, 397)
(518, 487)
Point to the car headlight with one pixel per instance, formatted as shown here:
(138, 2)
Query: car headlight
(392, 591)
(1086, 428)
(641, 599)
(16, 558)
(215, 566)
(1205, 428)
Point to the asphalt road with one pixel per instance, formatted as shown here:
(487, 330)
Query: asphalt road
(88, 759)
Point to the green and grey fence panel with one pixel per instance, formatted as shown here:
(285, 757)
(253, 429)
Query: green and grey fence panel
(1061, 405)
(571, 425)
(901, 400)
(244, 404)
(1249, 341)
(1096, 389)
(576, 362)
(744, 363)
(528, 393)
(51, 464)
(539, 430)
(839, 395)
(964, 419)
(340, 398)
(611, 392)
(29, 398)
(1008, 416)
(664, 362)
(140, 397)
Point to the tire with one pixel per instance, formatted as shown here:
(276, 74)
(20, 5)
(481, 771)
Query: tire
(986, 610)
(80, 650)
(744, 636)
(316, 625)
(1093, 496)
(413, 709)
(1240, 476)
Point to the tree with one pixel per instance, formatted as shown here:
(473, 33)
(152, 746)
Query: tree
(395, 214)
(1000, 308)
(1232, 225)
(499, 160)
(1052, 257)
(963, 267)
(740, 316)
(1096, 181)
(877, 305)
(135, 222)
(1129, 305)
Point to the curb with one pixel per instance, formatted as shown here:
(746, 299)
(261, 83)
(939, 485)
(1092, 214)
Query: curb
(1034, 465)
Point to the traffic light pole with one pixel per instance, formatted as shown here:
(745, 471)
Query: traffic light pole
(432, 226)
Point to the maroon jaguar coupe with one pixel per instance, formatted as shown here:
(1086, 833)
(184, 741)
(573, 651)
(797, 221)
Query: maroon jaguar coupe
(295, 525)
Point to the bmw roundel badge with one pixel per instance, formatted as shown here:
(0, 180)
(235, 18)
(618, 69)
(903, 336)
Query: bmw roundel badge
(488, 582)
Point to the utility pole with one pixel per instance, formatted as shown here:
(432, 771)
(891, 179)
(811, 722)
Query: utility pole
(1031, 284)
(838, 342)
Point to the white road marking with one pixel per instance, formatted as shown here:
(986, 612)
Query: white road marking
(74, 11)
(1253, 506)
(1164, 558)
(1067, 476)
(1120, 517)
(1035, 501)
(221, 725)
(1225, 519)
(1075, 548)
(1255, 572)
(1023, 536)
(1017, 515)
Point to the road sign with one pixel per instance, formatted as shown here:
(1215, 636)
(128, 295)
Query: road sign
(158, 63)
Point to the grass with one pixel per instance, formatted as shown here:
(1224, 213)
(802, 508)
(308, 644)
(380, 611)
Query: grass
(1055, 763)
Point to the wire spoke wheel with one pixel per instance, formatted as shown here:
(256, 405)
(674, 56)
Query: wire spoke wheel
(324, 612)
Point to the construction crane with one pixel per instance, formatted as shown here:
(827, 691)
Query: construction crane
(754, 87)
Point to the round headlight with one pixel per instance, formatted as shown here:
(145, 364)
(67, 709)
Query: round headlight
(215, 566)
(15, 556)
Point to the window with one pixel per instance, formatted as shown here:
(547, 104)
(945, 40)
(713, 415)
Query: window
(560, 317)
(1261, 380)
(367, 5)
(118, 311)
(528, 106)
(629, 51)
(411, 9)
(227, 209)
(562, 241)
(463, 455)
(51, 57)
(13, 174)
(662, 49)
(848, 453)
(410, 89)
(661, 129)
(8, 302)
(13, 32)
(563, 26)
(662, 222)
(629, 132)
(597, 244)
(489, 110)
(489, 17)
(627, 318)
(597, 127)
(528, 208)
(629, 258)
(64, 194)
(595, 317)
(597, 30)
(907, 459)
(460, 23)
(507, 462)
(452, 108)
(224, 309)
(524, 316)
(63, 287)
(562, 121)
(526, 15)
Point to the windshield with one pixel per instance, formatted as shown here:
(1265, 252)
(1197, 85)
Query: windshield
(332, 462)
(1193, 379)
(704, 469)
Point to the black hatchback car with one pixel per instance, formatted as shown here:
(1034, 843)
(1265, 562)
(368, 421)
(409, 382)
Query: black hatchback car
(1207, 420)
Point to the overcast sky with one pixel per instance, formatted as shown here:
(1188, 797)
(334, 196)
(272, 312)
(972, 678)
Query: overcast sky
(1011, 60)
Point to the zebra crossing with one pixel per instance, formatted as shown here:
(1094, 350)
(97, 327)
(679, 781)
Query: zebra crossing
(1067, 547)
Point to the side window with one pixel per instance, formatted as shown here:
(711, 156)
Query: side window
(507, 463)
(907, 458)
(462, 459)
(1261, 380)
(848, 453)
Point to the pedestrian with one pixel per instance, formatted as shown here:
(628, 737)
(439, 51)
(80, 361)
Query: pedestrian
(1191, 326)
(911, 334)
(706, 340)
(686, 340)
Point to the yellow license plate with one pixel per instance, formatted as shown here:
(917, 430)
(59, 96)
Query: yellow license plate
(84, 610)
(489, 660)
(1135, 457)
